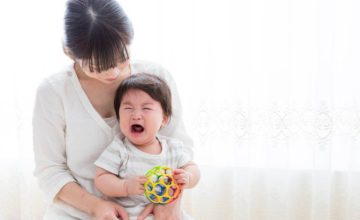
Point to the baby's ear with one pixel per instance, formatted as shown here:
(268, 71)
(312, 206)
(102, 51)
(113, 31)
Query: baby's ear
(165, 121)
(68, 52)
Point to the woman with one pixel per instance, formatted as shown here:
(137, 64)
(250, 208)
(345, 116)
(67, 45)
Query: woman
(74, 120)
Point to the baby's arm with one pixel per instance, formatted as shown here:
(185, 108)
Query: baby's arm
(188, 175)
(111, 185)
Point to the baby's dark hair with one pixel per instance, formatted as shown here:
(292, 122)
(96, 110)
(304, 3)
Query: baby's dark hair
(97, 31)
(153, 85)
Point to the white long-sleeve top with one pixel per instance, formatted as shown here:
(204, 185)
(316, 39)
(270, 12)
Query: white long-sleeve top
(69, 135)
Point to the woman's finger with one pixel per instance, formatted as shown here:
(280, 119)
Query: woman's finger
(121, 211)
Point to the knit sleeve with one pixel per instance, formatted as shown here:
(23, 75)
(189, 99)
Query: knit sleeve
(175, 128)
(49, 129)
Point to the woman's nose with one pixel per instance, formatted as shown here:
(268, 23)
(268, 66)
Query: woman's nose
(112, 72)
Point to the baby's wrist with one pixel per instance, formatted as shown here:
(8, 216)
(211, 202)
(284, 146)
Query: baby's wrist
(190, 176)
(126, 188)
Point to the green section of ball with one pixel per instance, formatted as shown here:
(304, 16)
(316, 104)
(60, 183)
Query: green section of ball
(160, 187)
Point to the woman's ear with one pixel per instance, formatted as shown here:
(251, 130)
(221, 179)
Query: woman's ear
(68, 52)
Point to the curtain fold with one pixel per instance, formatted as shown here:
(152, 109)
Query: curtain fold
(273, 194)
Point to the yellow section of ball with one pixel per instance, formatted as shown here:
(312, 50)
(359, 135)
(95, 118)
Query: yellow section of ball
(160, 187)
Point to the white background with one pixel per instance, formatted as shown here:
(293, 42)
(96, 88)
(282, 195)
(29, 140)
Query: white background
(264, 84)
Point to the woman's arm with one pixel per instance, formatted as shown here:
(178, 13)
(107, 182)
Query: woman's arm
(113, 186)
(76, 196)
(175, 129)
(51, 169)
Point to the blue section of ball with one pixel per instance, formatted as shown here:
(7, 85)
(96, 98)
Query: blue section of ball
(159, 190)
(165, 199)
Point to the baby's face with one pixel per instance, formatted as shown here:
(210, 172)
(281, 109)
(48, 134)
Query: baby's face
(140, 117)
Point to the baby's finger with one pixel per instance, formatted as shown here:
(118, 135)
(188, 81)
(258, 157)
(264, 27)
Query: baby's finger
(179, 176)
(142, 179)
(139, 192)
(178, 171)
(181, 181)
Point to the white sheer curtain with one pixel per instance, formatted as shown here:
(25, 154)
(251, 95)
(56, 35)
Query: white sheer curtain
(269, 90)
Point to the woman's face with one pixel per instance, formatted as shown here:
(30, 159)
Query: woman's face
(106, 76)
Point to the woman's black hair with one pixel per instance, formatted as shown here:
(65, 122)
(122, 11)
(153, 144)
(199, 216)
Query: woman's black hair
(153, 85)
(97, 31)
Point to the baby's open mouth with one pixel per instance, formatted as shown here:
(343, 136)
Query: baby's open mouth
(137, 128)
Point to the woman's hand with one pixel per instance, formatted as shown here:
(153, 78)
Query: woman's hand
(171, 211)
(147, 211)
(105, 210)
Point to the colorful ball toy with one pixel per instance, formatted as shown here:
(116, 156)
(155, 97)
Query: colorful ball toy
(160, 187)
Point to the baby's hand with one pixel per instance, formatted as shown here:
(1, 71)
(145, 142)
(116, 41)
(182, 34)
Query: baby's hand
(182, 177)
(135, 185)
